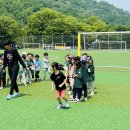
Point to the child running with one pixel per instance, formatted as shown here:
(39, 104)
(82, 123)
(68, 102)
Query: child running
(59, 80)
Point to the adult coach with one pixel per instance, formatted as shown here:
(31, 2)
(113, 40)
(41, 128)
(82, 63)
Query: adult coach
(11, 58)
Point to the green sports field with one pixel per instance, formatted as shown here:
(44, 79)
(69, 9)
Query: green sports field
(108, 109)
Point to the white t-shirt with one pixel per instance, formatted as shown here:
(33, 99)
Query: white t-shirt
(45, 63)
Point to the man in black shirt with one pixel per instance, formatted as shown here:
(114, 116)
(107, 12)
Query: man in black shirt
(11, 58)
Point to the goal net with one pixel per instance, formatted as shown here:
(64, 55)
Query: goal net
(112, 45)
(104, 40)
(32, 45)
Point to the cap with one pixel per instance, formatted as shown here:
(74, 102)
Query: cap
(24, 53)
(71, 56)
(83, 59)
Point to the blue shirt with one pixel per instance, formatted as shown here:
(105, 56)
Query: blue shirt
(37, 65)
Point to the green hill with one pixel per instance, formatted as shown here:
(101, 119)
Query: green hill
(81, 9)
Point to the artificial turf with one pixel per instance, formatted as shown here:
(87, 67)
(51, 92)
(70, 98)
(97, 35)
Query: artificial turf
(108, 109)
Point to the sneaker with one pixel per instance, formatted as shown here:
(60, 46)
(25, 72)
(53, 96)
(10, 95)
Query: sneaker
(67, 105)
(16, 94)
(85, 99)
(73, 100)
(25, 85)
(78, 100)
(60, 106)
(9, 97)
(69, 93)
(1, 88)
(92, 93)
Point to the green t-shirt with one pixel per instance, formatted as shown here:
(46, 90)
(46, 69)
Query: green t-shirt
(85, 73)
(28, 63)
(91, 76)
(67, 63)
(78, 80)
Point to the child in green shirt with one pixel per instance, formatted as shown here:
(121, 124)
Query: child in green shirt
(77, 75)
(91, 76)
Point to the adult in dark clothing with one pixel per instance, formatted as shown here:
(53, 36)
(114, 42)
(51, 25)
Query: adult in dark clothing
(11, 58)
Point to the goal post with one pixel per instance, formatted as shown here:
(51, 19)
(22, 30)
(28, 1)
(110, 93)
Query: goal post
(32, 45)
(110, 40)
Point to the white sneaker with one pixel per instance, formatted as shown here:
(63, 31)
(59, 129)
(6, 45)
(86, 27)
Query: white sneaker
(78, 100)
(92, 93)
(25, 85)
(59, 106)
(1, 88)
(67, 105)
(72, 100)
(8, 97)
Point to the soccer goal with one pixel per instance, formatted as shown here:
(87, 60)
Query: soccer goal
(60, 46)
(104, 40)
(32, 45)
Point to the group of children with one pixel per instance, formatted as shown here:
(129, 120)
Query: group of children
(28, 75)
(79, 76)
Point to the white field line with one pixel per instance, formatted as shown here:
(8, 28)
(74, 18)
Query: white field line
(121, 67)
(111, 61)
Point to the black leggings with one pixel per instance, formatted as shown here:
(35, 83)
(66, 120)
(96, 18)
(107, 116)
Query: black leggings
(13, 73)
(85, 90)
(77, 92)
(37, 75)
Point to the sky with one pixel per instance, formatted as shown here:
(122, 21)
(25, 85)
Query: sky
(124, 4)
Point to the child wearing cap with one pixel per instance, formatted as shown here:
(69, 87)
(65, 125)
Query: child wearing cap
(84, 76)
(58, 79)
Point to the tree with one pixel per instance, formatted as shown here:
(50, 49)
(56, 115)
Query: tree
(48, 21)
(96, 24)
(9, 27)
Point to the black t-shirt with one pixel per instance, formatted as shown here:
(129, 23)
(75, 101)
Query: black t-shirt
(11, 58)
(58, 79)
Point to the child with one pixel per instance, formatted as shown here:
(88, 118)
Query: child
(24, 72)
(45, 66)
(84, 76)
(59, 80)
(29, 68)
(37, 67)
(71, 69)
(32, 67)
(77, 90)
(1, 74)
(91, 77)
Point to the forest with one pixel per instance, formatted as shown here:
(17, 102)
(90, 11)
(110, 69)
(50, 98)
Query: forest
(40, 17)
